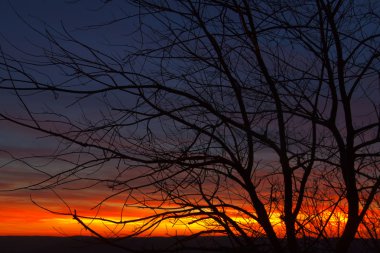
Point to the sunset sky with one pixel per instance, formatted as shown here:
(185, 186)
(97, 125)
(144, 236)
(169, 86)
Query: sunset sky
(18, 215)
(115, 149)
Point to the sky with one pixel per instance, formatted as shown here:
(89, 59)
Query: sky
(18, 214)
(23, 208)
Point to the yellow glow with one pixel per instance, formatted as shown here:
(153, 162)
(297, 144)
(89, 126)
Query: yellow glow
(22, 219)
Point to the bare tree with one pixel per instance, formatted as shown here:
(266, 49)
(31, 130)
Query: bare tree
(249, 118)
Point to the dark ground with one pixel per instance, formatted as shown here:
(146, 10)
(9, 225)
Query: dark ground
(42, 244)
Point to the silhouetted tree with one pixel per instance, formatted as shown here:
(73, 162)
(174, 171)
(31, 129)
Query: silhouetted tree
(250, 118)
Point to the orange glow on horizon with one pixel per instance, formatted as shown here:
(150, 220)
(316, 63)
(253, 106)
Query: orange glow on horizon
(19, 217)
(23, 218)
(38, 222)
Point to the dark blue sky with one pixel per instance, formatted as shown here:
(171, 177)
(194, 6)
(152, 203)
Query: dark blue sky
(73, 15)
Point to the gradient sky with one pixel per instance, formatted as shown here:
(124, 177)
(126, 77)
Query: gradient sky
(18, 215)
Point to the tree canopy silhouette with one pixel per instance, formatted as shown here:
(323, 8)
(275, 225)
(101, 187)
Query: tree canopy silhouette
(251, 119)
